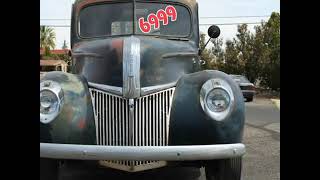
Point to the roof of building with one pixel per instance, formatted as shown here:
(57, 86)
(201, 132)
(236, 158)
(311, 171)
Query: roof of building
(56, 51)
(52, 62)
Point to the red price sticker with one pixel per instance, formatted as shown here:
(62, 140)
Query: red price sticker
(154, 20)
(162, 16)
(171, 12)
(144, 26)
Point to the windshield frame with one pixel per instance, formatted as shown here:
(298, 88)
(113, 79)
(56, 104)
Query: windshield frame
(77, 28)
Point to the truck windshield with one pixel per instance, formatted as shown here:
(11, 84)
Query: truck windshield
(150, 19)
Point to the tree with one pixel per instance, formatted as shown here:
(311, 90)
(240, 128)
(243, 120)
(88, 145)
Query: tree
(255, 55)
(231, 56)
(248, 58)
(218, 54)
(269, 35)
(206, 53)
(47, 39)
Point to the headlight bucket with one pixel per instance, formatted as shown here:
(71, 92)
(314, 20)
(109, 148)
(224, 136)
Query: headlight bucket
(51, 100)
(216, 99)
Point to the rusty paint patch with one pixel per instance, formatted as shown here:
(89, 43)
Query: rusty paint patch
(82, 123)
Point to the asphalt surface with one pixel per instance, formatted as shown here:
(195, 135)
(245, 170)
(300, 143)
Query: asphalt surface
(261, 162)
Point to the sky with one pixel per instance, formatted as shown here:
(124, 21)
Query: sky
(61, 9)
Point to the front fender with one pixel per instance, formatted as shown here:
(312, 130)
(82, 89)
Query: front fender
(189, 125)
(75, 123)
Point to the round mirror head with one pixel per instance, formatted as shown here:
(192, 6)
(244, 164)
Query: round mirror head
(214, 31)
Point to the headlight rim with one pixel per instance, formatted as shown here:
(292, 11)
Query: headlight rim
(56, 89)
(209, 86)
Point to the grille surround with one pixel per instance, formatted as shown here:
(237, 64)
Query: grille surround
(142, 121)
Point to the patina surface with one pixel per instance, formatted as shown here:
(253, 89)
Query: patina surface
(189, 125)
(75, 123)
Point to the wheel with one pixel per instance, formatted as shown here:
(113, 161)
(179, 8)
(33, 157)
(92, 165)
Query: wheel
(48, 169)
(226, 169)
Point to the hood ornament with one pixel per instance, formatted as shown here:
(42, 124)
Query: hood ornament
(131, 67)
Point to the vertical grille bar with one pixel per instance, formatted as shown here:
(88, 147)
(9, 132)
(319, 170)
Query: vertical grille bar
(115, 119)
(136, 124)
(164, 117)
(161, 120)
(156, 120)
(127, 125)
(112, 121)
(153, 121)
(109, 122)
(143, 122)
(123, 123)
(99, 117)
(103, 120)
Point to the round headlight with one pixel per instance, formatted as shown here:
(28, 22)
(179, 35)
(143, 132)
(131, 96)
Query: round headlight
(216, 99)
(51, 100)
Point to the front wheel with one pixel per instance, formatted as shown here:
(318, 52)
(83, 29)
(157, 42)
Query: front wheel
(226, 169)
(48, 169)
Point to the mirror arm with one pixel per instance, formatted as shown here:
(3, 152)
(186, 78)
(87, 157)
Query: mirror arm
(204, 46)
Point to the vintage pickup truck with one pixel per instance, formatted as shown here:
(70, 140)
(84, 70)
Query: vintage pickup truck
(137, 98)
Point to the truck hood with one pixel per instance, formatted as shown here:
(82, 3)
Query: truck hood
(136, 61)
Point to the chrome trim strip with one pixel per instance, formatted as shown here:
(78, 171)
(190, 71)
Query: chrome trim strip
(165, 153)
(93, 99)
(246, 84)
(180, 54)
(131, 67)
(248, 91)
(131, 123)
(95, 55)
(119, 91)
(154, 89)
(111, 89)
(169, 109)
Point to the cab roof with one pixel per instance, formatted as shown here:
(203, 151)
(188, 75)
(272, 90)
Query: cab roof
(81, 3)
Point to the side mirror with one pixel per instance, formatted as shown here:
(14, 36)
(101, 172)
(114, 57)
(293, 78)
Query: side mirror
(213, 31)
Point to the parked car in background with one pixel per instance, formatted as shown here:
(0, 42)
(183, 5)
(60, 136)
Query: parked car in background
(247, 88)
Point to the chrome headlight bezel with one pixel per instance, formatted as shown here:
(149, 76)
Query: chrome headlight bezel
(208, 87)
(56, 89)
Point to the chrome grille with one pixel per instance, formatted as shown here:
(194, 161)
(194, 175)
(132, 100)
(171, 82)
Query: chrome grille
(146, 125)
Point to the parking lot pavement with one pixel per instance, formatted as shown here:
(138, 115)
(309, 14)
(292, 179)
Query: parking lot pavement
(261, 162)
(262, 140)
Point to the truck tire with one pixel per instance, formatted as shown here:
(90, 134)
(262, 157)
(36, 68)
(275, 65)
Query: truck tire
(48, 169)
(226, 169)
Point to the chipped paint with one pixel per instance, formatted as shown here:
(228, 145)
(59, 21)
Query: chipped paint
(75, 123)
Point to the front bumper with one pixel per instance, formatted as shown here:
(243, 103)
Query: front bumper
(141, 153)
